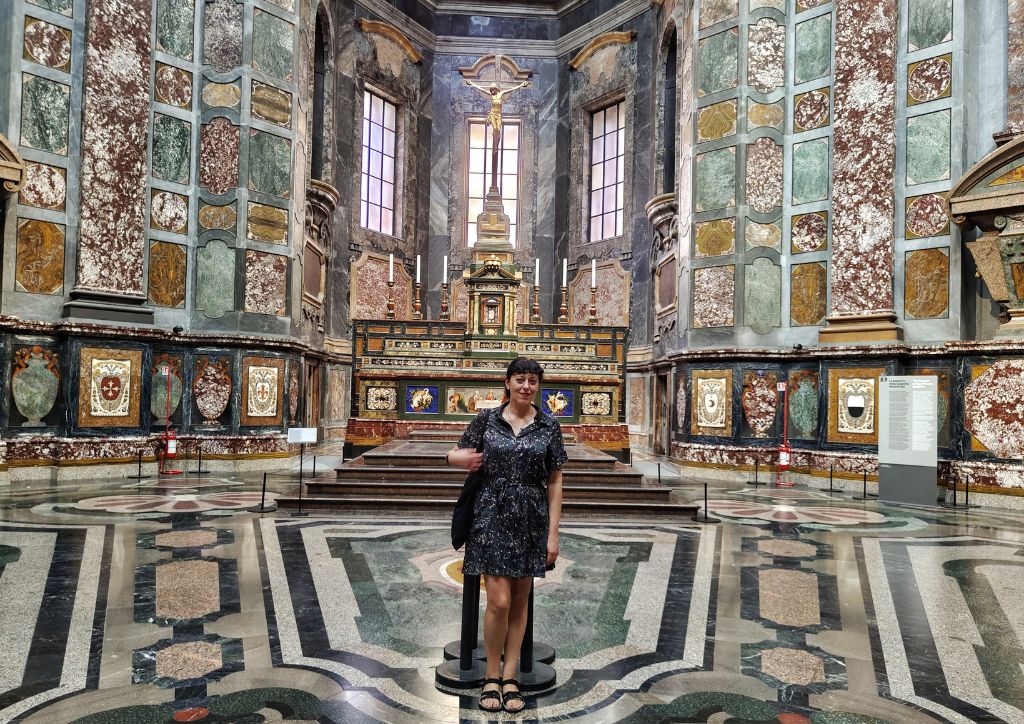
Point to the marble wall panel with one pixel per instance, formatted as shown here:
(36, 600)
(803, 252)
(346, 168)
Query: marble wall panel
(928, 147)
(270, 163)
(811, 110)
(172, 148)
(809, 232)
(39, 261)
(665, 283)
(173, 86)
(218, 217)
(62, 7)
(765, 115)
(766, 55)
(218, 156)
(266, 283)
(716, 121)
(221, 95)
(47, 44)
(767, 235)
(337, 393)
(992, 401)
(717, 11)
(715, 238)
(167, 273)
(271, 104)
(267, 223)
(368, 295)
(612, 295)
(45, 187)
(211, 388)
(926, 216)
(808, 294)
(853, 404)
(109, 387)
(926, 284)
(803, 5)
(45, 109)
(165, 391)
(715, 179)
(762, 295)
(35, 382)
(215, 279)
(637, 408)
(262, 391)
(813, 43)
(764, 175)
(711, 403)
(222, 35)
(717, 62)
(779, 5)
(760, 400)
(802, 405)
(175, 20)
(681, 406)
(929, 22)
(714, 296)
(168, 211)
(930, 79)
(273, 45)
(810, 171)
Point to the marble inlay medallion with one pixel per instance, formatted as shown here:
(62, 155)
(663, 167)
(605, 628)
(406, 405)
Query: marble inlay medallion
(711, 403)
(596, 403)
(263, 387)
(381, 399)
(766, 55)
(717, 11)
(762, 295)
(714, 294)
(266, 283)
(221, 95)
(764, 175)
(211, 387)
(926, 283)
(39, 260)
(811, 110)
(716, 121)
(929, 22)
(109, 387)
(45, 108)
(35, 380)
(172, 148)
(813, 41)
(928, 147)
(218, 217)
(45, 187)
(789, 597)
(175, 21)
(808, 293)
(218, 155)
(188, 660)
(267, 223)
(271, 104)
(169, 211)
(929, 80)
(760, 400)
(715, 179)
(769, 235)
(110, 391)
(272, 45)
(992, 404)
(167, 271)
(927, 216)
(810, 232)
(187, 589)
(793, 666)
(173, 86)
(222, 35)
(715, 238)
(165, 390)
(802, 404)
(47, 44)
(717, 63)
(852, 401)
(768, 115)
(270, 163)
(215, 279)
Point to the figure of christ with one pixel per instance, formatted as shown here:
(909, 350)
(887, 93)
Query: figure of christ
(496, 95)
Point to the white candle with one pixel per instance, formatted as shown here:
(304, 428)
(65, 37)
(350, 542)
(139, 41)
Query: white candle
(417, 268)
(391, 267)
(536, 273)
(565, 271)
(593, 272)
(444, 278)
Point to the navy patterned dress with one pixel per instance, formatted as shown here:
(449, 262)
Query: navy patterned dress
(509, 536)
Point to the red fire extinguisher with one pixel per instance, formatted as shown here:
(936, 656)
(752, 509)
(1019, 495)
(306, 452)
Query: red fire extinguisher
(170, 451)
(785, 450)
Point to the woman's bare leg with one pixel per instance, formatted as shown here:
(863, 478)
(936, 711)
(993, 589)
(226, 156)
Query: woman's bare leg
(499, 596)
(520, 594)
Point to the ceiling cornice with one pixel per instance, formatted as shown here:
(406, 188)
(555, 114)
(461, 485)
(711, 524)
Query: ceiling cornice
(505, 9)
(394, 34)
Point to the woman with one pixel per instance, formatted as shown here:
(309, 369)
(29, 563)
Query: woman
(515, 521)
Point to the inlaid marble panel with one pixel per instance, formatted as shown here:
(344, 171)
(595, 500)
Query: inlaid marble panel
(218, 156)
(681, 402)
(167, 268)
(760, 400)
(172, 148)
(926, 216)
(211, 387)
(221, 95)
(766, 55)
(45, 107)
(266, 283)
(811, 110)
(929, 22)
(612, 295)
(767, 235)
(222, 35)
(717, 63)
(802, 406)
(813, 43)
(930, 79)
(716, 121)
(262, 391)
(809, 232)
(368, 295)
(62, 7)
(169, 211)
(810, 171)
(715, 238)
(173, 86)
(764, 175)
(926, 284)
(711, 403)
(714, 295)
(715, 179)
(637, 401)
(47, 44)
(271, 104)
(39, 265)
(215, 279)
(779, 5)
(175, 20)
(762, 295)
(272, 45)
(768, 115)
(35, 382)
(270, 163)
(108, 389)
(802, 5)
(853, 404)
(808, 293)
(992, 402)
(717, 11)
(928, 148)
(165, 392)
(218, 217)
(267, 223)
(45, 187)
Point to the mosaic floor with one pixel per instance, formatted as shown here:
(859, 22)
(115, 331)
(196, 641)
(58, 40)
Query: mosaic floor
(181, 602)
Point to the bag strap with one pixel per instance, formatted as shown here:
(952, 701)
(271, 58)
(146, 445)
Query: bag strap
(480, 447)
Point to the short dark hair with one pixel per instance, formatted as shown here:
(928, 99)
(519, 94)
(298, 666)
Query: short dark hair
(524, 366)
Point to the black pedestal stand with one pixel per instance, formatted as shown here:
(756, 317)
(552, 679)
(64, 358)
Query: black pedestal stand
(831, 490)
(755, 482)
(300, 513)
(865, 495)
(465, 672)
(533, 675)
(139, 475)
(199, 468)
(702, 516)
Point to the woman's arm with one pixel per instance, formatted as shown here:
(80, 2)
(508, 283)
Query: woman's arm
(554, 513)
(465, 457)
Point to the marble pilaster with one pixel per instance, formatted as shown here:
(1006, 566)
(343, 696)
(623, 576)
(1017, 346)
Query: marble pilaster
(1014, 73)
(863, 176)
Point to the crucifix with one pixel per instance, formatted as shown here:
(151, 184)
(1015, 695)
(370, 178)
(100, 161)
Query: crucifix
(495, 91)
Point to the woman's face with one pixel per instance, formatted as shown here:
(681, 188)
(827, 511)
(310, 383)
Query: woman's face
(523, 387)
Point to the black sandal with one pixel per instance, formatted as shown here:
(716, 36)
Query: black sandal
(512, 696)
(488, 695)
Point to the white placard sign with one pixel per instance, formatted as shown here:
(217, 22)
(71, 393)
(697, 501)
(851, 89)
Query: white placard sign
(908, 420)
(301, 435)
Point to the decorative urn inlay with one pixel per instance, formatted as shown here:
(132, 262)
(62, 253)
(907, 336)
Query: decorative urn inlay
(35, 383)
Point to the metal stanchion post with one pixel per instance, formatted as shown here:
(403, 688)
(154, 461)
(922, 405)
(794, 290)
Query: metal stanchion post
(865, 495)
(263, 494)
(465, 672)
(659, 473)
(533, 674)
(199, 468)
(967, 493)
(139, 475)
(702, 516)
(832, 490)
(314, 467)
(756, 482)
(300, 513)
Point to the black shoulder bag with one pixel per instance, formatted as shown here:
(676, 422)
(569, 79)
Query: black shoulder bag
(462, 515)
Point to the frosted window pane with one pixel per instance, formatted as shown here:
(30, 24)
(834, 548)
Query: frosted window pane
(374, 194)
(476, 160)
(389, 143)
(611, 119)
(387, 221)
(366, 104)
(610, 168)
(388, 169)
(595, 203)
(476, 135)
(618, 223)
(610, 146)
(389, 116)
(363, 187)
(476, 207)
(609, 226)
(375, 163)
(508, 161)
(595, 228)
(510, 136)
(375, 136)
(362, 214)
(597, 178)
(618, 195)
(375, 217)
(609, 198)
(596, 151)
(387, 195)
(508, 187)
(471, 234)
(598, 123)
(377, 110)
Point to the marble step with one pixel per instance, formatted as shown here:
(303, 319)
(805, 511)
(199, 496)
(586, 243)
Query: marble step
(454, 435)
(569, 507)
(451, 491)
(626, 477)
(407, 453)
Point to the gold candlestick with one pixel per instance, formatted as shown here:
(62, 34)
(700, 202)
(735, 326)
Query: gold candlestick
(444, 301)
(391, 300)
(535, 317)
(563, 310)
(593, 306)
(416, 305)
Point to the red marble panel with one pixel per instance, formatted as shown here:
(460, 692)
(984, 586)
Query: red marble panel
(994, 408)
(764, 175)
(1015, 69)
(266, 283)
(218, 156)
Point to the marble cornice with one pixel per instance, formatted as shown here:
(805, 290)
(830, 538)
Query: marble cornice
(509, 9)
(620, 38)
(394, 34)
(847, 352)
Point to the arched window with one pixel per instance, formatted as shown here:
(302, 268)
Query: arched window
(669, 117)
(319, 98)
